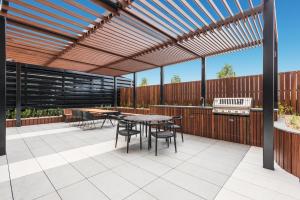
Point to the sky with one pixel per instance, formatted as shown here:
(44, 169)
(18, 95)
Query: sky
(248, 62)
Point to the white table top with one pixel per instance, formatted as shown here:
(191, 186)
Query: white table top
(148, 118)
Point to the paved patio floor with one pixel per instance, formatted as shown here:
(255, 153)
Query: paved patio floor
(56, 161)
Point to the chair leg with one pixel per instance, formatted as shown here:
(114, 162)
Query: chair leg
(128, 143)
(181, 135)
(140, 140)
(111, 123)
(147, 130)
(168, 142)
(175, 144)
(116, 140)
(103, 122)
(149, 141)
(155, 146)
(117, 135)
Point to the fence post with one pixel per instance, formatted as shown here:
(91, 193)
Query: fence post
(115, 91)
(268, 85)
(2, 87)
(162, 95)
(203, 80)
(134, 90)
(18, 94)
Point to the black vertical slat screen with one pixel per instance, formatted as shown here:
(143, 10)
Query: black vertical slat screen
(11, 86)
(46, 88)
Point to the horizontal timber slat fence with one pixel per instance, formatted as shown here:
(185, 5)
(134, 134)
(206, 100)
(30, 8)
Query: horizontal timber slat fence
(189, 93)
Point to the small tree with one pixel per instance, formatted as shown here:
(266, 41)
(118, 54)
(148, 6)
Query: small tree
(175, 79)
(226, 72)
(144, 82)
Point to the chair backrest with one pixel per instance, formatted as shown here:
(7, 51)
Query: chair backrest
(160, 125)
(67, 111)
(178, 119)
(77, 114)
(87, 116)
(126, 124)
(120, 117)
(117, 113)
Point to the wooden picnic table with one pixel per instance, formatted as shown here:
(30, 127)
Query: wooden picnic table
(98, 110)
(101, 112)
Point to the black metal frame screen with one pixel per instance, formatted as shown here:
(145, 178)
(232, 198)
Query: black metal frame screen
(48, 88)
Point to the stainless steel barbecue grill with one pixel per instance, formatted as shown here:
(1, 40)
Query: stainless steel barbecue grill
(232, 106)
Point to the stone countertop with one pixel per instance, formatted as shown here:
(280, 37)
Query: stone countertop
(203, 107)
(281, 125)
(182, 106)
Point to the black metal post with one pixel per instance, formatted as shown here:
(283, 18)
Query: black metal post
(115, 91)
(18, 94)
(203, 81)
(276, 73)
(268, 85)
(63, 87)
(134, 90)
(162, 95)
(2, 87)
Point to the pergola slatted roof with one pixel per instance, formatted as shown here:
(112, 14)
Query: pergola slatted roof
(120, 37)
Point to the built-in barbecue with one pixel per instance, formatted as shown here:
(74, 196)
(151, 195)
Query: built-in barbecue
(232, 106)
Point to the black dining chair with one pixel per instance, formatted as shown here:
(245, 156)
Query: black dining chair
(76, 117)
(176, 125)
(163, 131)
(128, 129)
(88, 120)
(108, 117)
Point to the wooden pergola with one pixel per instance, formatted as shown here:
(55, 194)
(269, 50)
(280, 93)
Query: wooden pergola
(118, 37)
(128, 36)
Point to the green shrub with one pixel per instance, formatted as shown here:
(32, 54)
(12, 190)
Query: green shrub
(284, 109)
(293, 121)
(32, 112)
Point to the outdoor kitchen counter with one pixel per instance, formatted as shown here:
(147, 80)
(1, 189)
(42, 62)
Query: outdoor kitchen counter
(182, 106)
(200, 121)
(201, 107)
(287, 147)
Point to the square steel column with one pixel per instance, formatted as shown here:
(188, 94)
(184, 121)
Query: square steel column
(276, 73)
(115, 91)
(134, 90)
(2, 87)
(162, 95)
(18, 94)
(203, 81)
(268, 84)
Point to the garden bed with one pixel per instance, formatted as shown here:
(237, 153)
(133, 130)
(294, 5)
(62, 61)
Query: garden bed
(287, 147)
